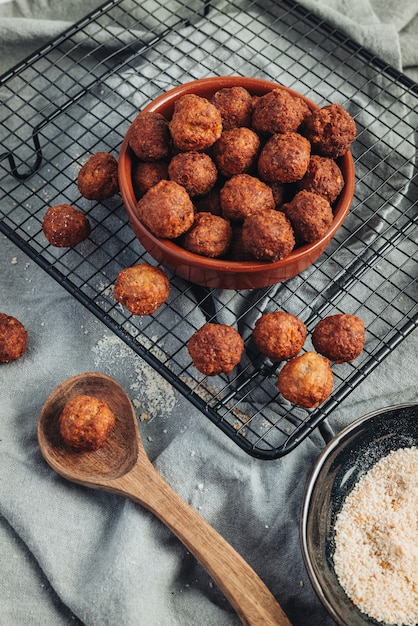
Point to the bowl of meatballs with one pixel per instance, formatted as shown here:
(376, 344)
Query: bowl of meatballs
(237, 183)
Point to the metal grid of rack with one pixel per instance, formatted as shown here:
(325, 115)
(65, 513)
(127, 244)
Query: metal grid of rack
(79, 94)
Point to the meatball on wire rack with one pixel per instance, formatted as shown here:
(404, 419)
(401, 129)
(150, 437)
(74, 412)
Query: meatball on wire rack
(78, 95)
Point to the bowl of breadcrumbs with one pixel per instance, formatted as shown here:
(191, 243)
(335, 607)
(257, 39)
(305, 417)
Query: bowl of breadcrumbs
(359, 521)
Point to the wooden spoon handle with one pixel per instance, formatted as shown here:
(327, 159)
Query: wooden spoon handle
(249, 596)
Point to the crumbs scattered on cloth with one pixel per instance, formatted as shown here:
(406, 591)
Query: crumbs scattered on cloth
(150, 393)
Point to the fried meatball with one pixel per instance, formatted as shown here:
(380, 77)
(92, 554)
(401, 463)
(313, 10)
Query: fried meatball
(306, 380)
(331, 130)
(234, 105)
(339, 337)
(244, 195)
(13, 338)
(323, 177)
(215, 349)
(195, 171)
(236, 151)
(279, 193)
(64, 226)
(278, 111)
(147, 174)
(284, 158)
(310, 215)
(149, 136)
(268, 236)
(209, 236)
(279, 335)
(209, 203)
(166, 209)
(86, 422)
(236, 251)
(98, 177)
(195, 124)
(142, 288)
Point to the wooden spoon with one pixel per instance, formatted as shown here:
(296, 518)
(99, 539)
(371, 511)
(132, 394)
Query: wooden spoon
(121, 466)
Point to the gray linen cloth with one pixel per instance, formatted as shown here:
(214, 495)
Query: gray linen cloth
(70, 555)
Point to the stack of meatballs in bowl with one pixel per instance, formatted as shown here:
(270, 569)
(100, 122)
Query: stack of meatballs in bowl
(237, 183)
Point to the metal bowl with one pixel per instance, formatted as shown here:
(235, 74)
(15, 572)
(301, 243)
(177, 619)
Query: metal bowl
(348, 456)
(221, 273)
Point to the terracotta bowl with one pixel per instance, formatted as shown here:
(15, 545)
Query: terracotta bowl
(221, 273)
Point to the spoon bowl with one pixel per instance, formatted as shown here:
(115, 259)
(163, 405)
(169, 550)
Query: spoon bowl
(121, 466)
(119, 453)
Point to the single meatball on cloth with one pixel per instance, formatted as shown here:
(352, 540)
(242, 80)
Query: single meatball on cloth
(166, 209)
(13, 338)
(339, 337)
(279, 335)
(284, 158)
(215, 349)
(195, 124)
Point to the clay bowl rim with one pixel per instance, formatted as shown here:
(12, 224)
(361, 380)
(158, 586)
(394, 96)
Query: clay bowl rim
(256, 86)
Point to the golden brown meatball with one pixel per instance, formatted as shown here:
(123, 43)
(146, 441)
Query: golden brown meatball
(64, 226)
(98, 178)
(236, 251)
(278, 111)
(331, 130)
(209, 236)
(322, 177)
(339, 337)
(268, 236)
(209, 203)
(142, 288)
(147, 174)
(244, 195)
(166, 209)
(149, 136)
(195, 171)
(236, 151)
(284, 158)
(195, 124)
(215, 349)
(306, 380)
(310, 215)
(234, 105)
(86, 422)
(279, 193)
(279, 335)
(13, 338)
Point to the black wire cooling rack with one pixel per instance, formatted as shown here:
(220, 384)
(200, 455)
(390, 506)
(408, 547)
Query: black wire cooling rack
(79, 94)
